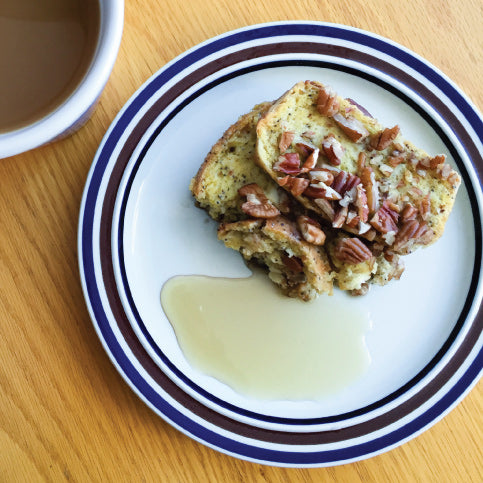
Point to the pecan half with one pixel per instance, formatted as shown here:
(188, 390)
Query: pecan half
(296, 186)
(327, 102)
(410, 232)
(385, 219)
(382, 139)
(257, 204)
(352, 127)
(333, 150)
(310, 230)
(286, 140)
(352, 251)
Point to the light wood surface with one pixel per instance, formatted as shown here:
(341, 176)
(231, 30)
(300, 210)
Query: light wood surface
(65, 413)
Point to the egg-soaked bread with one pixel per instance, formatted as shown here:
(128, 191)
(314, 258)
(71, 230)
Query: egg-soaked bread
(229, 166)
(299, 268)
(359, 176)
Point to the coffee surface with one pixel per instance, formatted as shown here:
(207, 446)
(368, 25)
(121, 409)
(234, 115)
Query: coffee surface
(46, 48)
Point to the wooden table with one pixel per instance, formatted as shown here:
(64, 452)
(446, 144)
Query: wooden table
(65, 413)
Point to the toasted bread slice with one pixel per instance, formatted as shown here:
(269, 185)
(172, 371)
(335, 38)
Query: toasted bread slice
(299, 268)
(229, 166)
(358, 175)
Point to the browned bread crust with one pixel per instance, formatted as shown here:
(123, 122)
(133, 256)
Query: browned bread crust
(299, 268)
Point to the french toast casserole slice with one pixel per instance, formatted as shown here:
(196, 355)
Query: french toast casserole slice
(320, 194)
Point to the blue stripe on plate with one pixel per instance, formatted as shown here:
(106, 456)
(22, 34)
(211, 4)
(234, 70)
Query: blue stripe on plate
(300, 421)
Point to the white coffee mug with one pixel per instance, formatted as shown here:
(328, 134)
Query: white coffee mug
(71, 114)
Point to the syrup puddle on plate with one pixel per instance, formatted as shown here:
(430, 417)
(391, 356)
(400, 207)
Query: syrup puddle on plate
(264, 345)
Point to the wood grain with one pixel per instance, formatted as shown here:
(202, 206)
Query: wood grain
(66, 414)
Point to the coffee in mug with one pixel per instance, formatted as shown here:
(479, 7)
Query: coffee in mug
(46, 48)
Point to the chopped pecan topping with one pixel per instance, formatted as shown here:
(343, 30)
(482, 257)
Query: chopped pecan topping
(365, 229)
(310, 230)
(321, 190)
(425, 207)
(431, 163)
(257, 204)
(370, 234)
(395, 159)
(294, 264)
(352, 127)
(296, 186)
(361, 162)
(311, 161)
(389, 237)
(361, 203)
(251, 189)
(382, 139)
(409, 212)
(368, 181)
(385, 169)
(412, 231)
(340, 217)
(353, 219)
(326, 207)
(444, 170)
(352, 251)
(415, 192)
(344, 182)
(385, 219)
(321, 174)
(389, 255)
(453, 178)
(304, 149)
(333, 150)
(288, 163)
(286, 140)
(327, 102)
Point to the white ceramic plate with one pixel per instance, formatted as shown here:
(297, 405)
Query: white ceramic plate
(139, 227)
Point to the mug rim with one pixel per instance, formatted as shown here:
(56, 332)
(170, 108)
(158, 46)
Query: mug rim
(74, 111)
